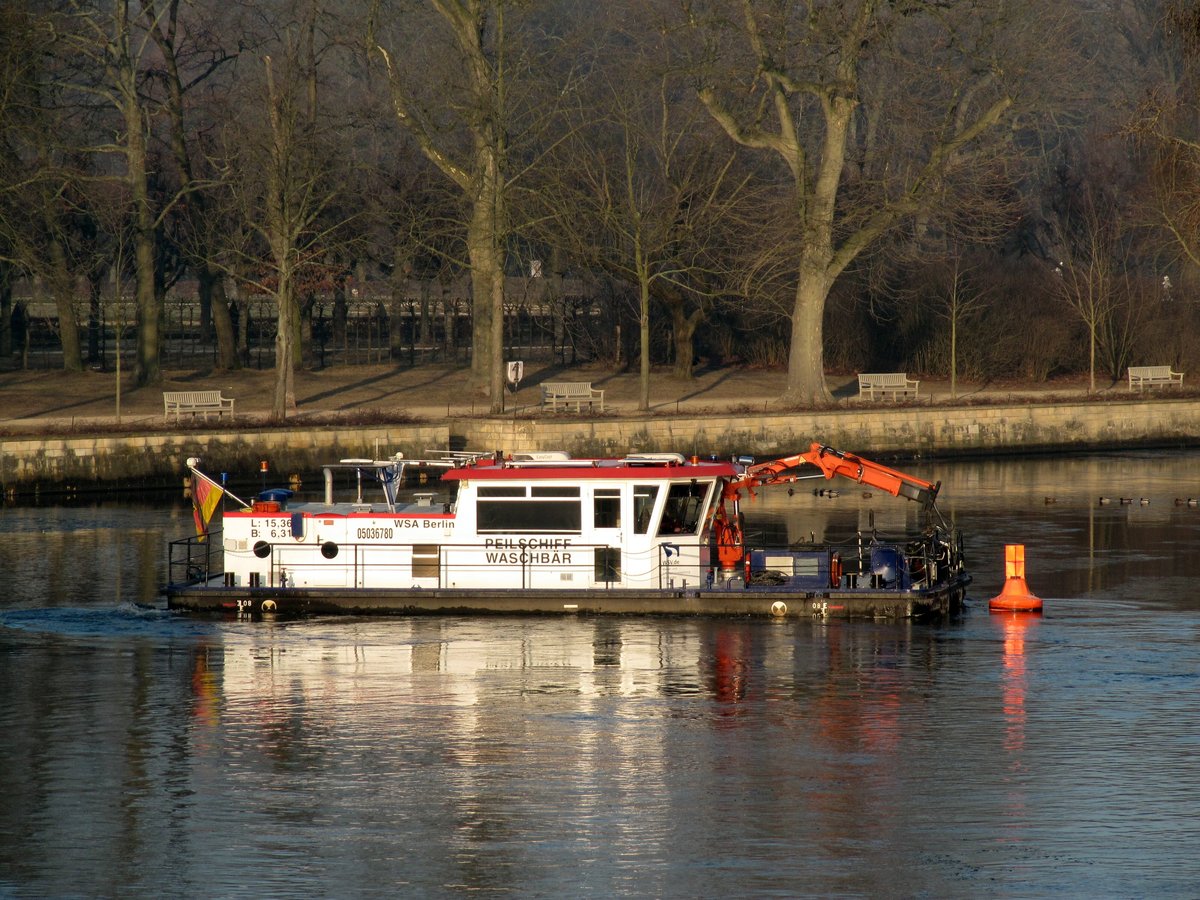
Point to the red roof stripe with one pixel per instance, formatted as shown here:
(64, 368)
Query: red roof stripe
(591, 473)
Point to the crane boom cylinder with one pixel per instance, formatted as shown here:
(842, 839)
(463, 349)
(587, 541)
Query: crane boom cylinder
(837, 462)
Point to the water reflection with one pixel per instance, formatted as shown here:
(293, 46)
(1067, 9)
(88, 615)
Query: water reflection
(729, 663)
(148, 753)
(1014, 685)
(206, 688)
(1015, 624)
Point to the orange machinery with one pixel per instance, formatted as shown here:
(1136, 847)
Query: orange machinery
(729, 535)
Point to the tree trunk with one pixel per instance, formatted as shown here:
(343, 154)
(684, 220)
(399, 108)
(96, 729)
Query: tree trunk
(423, 330)
(1091, 358)
(395, 343)
(482, 266)
(284, 398)
(95, 327)
(954, 353)
(6, 310)
(643, 333)
(487, 307)
(496, 371)
(243, 335)
(683, 327)
(683, 334)
(212, 287)
(147, 369)
(63, 286)
(806, 373)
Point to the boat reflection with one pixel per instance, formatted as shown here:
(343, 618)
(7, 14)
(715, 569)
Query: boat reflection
(728, 667)
(840, 701)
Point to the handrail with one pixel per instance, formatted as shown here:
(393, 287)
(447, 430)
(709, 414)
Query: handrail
(198, 557)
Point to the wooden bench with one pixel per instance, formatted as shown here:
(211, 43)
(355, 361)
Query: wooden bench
(196, 403)
(571, 393)
(1153, 376)
(897, 384)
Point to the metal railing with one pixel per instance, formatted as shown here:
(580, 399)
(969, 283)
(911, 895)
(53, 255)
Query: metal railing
(197, 559)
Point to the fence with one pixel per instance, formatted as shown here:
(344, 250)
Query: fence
(422, 323)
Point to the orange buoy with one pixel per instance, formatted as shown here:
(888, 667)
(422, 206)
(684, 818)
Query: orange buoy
(1015, 596)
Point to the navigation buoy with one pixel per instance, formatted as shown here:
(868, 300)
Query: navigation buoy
(1015, 596)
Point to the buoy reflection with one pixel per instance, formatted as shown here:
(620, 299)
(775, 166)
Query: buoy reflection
(1016, 627)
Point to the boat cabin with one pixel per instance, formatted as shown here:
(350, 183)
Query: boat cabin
(544, 521)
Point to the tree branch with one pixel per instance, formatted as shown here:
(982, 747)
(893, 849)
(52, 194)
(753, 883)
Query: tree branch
(452, 170)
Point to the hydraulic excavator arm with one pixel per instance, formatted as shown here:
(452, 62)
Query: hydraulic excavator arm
(836, 462)
(729, 537)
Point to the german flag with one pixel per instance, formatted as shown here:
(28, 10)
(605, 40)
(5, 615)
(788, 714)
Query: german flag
(206, 495)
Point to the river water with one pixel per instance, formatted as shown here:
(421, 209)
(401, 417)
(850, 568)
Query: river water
(144, 753)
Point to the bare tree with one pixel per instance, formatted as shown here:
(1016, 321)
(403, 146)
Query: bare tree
(960, 299)
(108, 55)
(281, 184)
(15, 65)
(1097, 280)
(42, 209)
(460, 114)
(871, 107)
(190, 53)
(636, 189)
(1166, 127)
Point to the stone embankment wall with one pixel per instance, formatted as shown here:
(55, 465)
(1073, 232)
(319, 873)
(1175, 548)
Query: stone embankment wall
(125, 458)
(889, 430)
(869, 430)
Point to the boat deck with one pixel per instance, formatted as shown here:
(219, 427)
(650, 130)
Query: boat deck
(779, 602)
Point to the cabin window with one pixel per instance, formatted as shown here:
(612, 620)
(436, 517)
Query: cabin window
(685, 503)
(535, 516)
(606, 508)
(425, 561)
(608, 564)
(644, 498)
(262, 549)
(554, 492)
(526, 509)
(503, 492)
(549, 509)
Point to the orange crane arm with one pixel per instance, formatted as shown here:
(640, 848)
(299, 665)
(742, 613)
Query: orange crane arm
(837, 462)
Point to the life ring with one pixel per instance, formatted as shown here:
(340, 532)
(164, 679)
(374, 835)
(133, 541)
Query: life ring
(835, 570)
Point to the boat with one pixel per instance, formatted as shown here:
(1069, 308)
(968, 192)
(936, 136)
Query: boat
(540, 533)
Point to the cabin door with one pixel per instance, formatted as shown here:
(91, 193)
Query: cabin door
(606, 532)
(639, 553)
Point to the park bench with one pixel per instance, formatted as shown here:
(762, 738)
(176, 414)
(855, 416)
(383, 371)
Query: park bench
(1150, 376)
(566, 394)
(196, 403)
(897, 384)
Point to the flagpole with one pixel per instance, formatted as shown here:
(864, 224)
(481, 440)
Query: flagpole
(193, 462)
